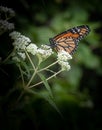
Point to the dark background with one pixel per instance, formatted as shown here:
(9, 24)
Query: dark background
(77, 92)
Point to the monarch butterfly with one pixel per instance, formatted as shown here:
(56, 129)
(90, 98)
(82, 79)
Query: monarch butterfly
(68, 40)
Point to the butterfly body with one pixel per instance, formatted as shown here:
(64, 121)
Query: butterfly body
(68, 40)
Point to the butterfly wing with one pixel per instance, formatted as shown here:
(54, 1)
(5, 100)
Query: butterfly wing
(69, 39)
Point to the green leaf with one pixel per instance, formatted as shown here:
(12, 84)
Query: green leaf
(26, 67)
(46, 84)
(47, 97)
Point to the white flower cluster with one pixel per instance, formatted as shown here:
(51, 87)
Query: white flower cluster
(22, 43)
(5, 15)
(7, 10)
(18, 56)
(63, 58)
(44, 52)
(5, 25)
(32, 48)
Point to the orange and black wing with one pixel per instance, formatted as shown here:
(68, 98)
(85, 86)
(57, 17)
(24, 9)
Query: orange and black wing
(69, 39)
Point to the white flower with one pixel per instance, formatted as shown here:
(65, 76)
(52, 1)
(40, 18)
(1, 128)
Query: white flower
(15, 58)
(64, 65)
(22, 55)
(7, 10)
(44, 52)
(3, 9)
(26, 39)
(20, 41)
(45, 47)
(32, 48)
(64, 56)
(5, 25)
(18, 56)
(14, 35)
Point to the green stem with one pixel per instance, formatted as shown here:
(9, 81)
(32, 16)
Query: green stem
(48, 66)
(30, 60)
(21, 75)
(50, 71)
(21, 95)
(35, 69)
(46, 79)
(8, 56)
(32, 77)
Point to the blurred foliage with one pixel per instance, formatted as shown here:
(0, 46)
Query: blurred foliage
(77, 93)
